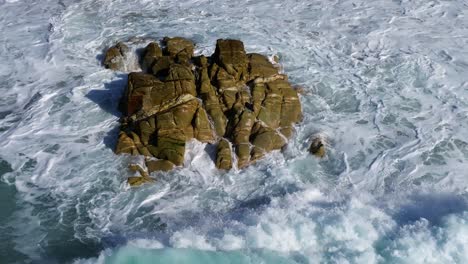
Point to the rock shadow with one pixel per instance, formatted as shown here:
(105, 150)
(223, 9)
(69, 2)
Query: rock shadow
(433, 207)
(109, 97)
(110, 139)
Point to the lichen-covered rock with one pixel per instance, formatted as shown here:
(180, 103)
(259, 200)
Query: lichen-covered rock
(224, 155)
(115, 57)
(235, 98)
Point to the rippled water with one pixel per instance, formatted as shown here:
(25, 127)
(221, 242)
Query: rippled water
(385, 81)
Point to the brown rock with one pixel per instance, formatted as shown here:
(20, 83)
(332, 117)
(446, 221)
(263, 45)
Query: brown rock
(126, 145)
(317, 147)
(230, 94)
(270, 112)
(176, 46)
(159, 165)
(152, 53)
(138, 181)
(115, 57)
(202, 126)
(265, 140)
(138, 93)
(260, 66)
(230, 54)
(224, 156)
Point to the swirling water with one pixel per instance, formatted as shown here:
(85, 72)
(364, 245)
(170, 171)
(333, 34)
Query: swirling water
(385, 81)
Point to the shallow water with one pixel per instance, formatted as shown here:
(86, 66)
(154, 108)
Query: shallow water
(385, 81)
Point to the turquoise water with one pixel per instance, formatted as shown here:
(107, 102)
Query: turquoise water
(384, 82)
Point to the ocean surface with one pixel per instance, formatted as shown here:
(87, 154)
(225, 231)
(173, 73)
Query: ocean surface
(386, 82)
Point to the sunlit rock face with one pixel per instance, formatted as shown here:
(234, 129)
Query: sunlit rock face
(234, 99)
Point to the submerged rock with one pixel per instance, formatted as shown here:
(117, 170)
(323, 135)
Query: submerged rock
(234, 98)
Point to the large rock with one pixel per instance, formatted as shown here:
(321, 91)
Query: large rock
(235, 98)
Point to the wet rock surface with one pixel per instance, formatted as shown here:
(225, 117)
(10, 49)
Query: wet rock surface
(236, 100)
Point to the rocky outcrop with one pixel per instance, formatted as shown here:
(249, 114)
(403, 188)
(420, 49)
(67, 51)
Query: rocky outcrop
(236, 100)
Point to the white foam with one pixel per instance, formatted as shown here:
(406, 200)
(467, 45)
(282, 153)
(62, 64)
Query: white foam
(386, 81)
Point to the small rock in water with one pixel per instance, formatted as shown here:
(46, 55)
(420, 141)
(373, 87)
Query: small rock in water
(139, 180)
(317, 147)
(231, 98)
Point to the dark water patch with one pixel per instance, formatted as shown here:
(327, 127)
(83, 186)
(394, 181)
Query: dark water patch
(36, 97)
(432, 207)
(5, 114)
(52, 149)
(8, 206)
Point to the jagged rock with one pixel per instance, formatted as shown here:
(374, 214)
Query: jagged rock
(152, 53)
(238, 97)
(224, 155)
(317, 147)
(115, 57)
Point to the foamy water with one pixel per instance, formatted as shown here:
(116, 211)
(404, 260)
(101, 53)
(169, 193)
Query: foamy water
(386, 82)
